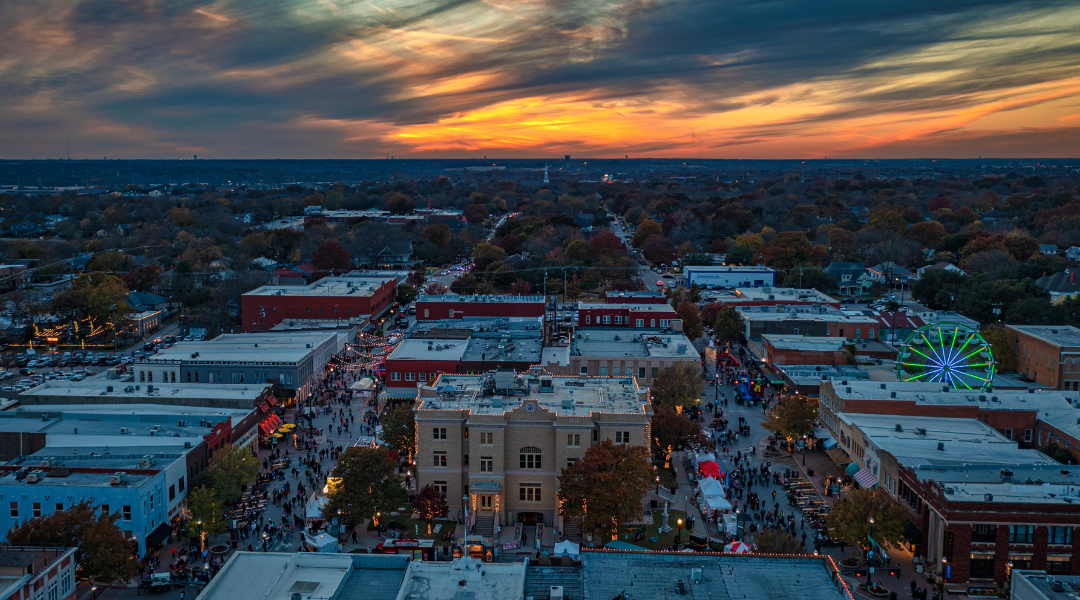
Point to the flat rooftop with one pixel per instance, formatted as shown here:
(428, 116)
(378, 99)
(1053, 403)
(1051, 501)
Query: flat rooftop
(634, 306)
(631, 343)
(276, 348)
(1058, 335)
(935, 394)
(777, 294)
(804, 343)
(652, 574)
(567, 396)
(1013, 492)
(729, 268)
(884, 428)
(277, 575)
(828, 317)
(82, 480)
(463, 578)
(528, 326)
(1035, 585)
(327, 286)
(495, 348)
(98, 387)
(321, 324)
(481, 299)
(805, 375)
(429, 349)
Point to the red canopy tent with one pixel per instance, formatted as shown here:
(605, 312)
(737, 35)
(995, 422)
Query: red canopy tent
(709, 468)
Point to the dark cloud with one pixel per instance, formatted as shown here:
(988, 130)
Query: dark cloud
(190, 74)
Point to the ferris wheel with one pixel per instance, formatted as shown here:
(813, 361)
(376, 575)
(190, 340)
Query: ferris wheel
(950, 353)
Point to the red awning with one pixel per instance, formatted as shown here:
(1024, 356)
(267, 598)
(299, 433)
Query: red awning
(271, 400)
(276, 419)
(263, 407)
(265, 429)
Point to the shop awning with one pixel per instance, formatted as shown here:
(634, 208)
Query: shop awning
(866, 478)
(265, 428)
(263, 407)
(271, 400)
(158, 535)
(828, 443)
(852, 468)
(838, 455)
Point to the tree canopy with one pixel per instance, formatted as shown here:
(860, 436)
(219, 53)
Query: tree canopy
(793, 416)
(849, 518)
(679, 385)
(399, 430)
(233, 467)
(368, 485)
(606, 487)
(673, 431)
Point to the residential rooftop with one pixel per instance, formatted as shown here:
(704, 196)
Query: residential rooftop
(608, 573)
(631, 343)
(502, 391)
(1065, 336)
(463, 578)
(341, 286)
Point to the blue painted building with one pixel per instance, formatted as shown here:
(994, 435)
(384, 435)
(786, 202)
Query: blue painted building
(724, 276)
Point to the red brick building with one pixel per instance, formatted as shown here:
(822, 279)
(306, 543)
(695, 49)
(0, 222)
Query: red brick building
(452, 306)
(803, 350)
(625, 315)
(328, 298)
(1014, 414)
(635, 298)
(1049, 354)
(34, 572)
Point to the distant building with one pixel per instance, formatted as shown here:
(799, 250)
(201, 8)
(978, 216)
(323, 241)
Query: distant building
(1048, 354)
(453, 306)
(941, 266)
(769, 296)
(803, 350)
(12, 277)
(626, 315)
(643, 297)
(890, 273)
(343, 297)
(1060, 286)
(850, 278)
(723, 276)
(641, 353)
(1048, 249)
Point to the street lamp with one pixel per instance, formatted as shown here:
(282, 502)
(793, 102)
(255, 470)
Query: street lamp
(941, 594)
(680, 531)
(870, 555)
(94, 590)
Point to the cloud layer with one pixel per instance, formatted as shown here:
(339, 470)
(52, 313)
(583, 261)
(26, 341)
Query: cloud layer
(331, 78)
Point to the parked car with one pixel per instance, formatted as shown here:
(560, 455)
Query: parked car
(26, 371)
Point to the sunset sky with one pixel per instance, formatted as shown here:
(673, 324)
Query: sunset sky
(537, 78)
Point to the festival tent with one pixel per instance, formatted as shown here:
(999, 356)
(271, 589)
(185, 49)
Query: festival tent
(709, 468)
(567, 548)
(716, 502)
(710, 487)
(364, 384)
(700, 457)
(316, 504)
(738, 548)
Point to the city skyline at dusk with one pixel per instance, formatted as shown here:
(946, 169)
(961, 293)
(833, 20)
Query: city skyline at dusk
(506, 78)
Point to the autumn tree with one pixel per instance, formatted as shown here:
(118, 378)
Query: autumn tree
(487, 255)
(102, 552)
(849, 518)
(998, 336)
(97, 296)
(332, 256)
(399, 430)
(144, 278)
(607, 244)
(691, 320)
(787, 249)
(368, 485)
(647, 229)
(573, 287)
(778, 541)
(234, 466)
(520, 288)
(606, 487)
(206, 514)
(793, 416)
(430, 504)
(110, 262)
(927, 233)
(728, 327)
(406, 294)
(673, 431)
(678, 385)
(809, 278)
(438, 234)
(435, 289)
(475, 214)
(399, 203)
(658, 249)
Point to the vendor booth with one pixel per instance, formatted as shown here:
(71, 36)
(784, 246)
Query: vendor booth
(476, 546)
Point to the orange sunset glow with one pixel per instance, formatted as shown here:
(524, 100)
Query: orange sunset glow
(524, 78)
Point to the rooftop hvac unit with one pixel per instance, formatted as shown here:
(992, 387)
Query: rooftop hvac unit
(117, 478)
(696, 576)
(35, 476)
(146, 461)
(46, 462)
(556, 592)
(181, 423)
(125, 430)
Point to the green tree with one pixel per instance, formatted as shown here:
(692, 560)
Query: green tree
(793, 416)
(102, 552)
(606, 487)
(787, 249)
(484, 255)
(399, 430)
(673, 431)
(1058, 453)
(206, 514)
(430, 504)
(849, 519)
(691, 320)
(368, 485)
(234, 466)
(729, 326)
(809, 277)
(678, 385)
(438, 234)
(778, 541)
(406, 293)
(647, 228)
(997, 336)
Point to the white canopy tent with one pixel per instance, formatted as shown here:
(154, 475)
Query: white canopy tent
(567, 548)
